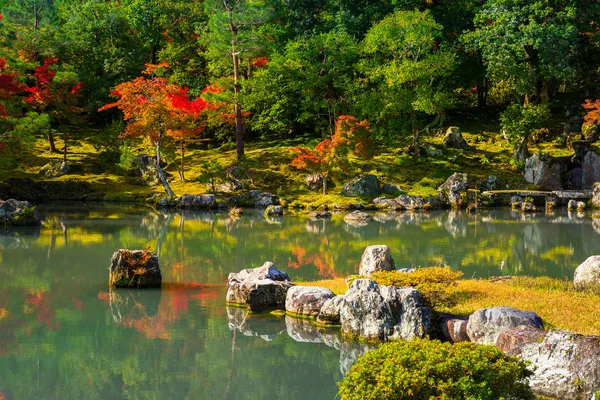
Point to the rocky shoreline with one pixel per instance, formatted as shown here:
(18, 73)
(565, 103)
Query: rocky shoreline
(565, 365)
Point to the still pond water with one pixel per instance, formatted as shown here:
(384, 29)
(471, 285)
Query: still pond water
(64, 336)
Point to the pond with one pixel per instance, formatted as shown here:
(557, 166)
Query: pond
(64, 336)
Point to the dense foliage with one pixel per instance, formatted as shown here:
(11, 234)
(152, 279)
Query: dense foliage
(427, 369)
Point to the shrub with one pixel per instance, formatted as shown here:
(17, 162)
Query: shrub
(427, 369)
(434, 283)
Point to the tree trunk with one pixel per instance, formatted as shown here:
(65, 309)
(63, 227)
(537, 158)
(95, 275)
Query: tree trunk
(239, 123)
(181, 166)
(482, 92)
(521, 151)
(324, 176)
(415, 144)
(51, 141)
(161, 173)
(65, 138)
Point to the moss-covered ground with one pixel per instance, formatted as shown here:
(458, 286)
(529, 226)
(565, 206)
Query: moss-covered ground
(269, 163)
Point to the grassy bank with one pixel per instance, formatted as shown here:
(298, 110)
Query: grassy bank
(556, 301)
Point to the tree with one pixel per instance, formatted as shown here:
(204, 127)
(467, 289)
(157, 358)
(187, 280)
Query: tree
(593, 112)
(519, 121)
(55, 93)
(351, 137)
(527, 46)
(407, 71)
(233, 32)
(156, 110)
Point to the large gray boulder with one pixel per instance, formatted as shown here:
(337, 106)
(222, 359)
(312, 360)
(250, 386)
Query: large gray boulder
(545, 171)
(596, 195)
(486, 324)
(454, 139)
(134, 268)
(565, 365)
(18, 213)
(455, 189)
(587, 274)
(591, 170)
(357, 216)
(376, 258)
(258, 289)
(195, 201)
(390, 188)
(330, 311)
(379, 313)
(306, 301)
(363, 185)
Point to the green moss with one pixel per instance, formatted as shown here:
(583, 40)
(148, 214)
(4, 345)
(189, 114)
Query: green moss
(300, 316)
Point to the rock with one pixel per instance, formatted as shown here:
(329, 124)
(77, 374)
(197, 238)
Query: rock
(274, 210)
(302, 331)
(581, 206)
(527, 206)
(314, 181)
(320, 215)
(18, 213)
(248, 324)
(258, 289)
(430, 151)
(545, 171)
(512, 340)
(591, 170)
(410, 202)
(330, 311)
(143, 167)
(254, 198)
(515, 202)
(453, 328)
(357, 216)
(455, 189)
(486, 324)
(350, 352)
(572, 205)
(346, 206)
(454, 138)
(306, 301)
(491, 183)
(379, 313)
(55, 169)
(587, 274)
(228, 186)
(134, 268)
(596, 195)
(374, 259)
(389, 188)
(565, 365)
(575, 179)
(363, 185)
(197, 201)
(383, 203)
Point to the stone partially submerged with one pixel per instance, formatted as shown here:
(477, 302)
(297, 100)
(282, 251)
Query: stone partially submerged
(258, 289)
(18, 213)
(379, 313)
(376, 258)
(134, 269)
(306, 301)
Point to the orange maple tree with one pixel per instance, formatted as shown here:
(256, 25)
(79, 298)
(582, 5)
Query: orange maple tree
(157, 110)
(350, 137)
(593, 112)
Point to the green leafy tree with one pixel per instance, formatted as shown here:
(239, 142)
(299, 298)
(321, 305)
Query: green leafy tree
(407, 71)
(519, 121)
(527, 46)
(233, 34)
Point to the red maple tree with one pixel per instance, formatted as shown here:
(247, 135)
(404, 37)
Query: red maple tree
(593, 111)
(350, 137)
(157, 110)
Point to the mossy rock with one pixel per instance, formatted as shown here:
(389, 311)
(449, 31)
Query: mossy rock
(134, 269)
